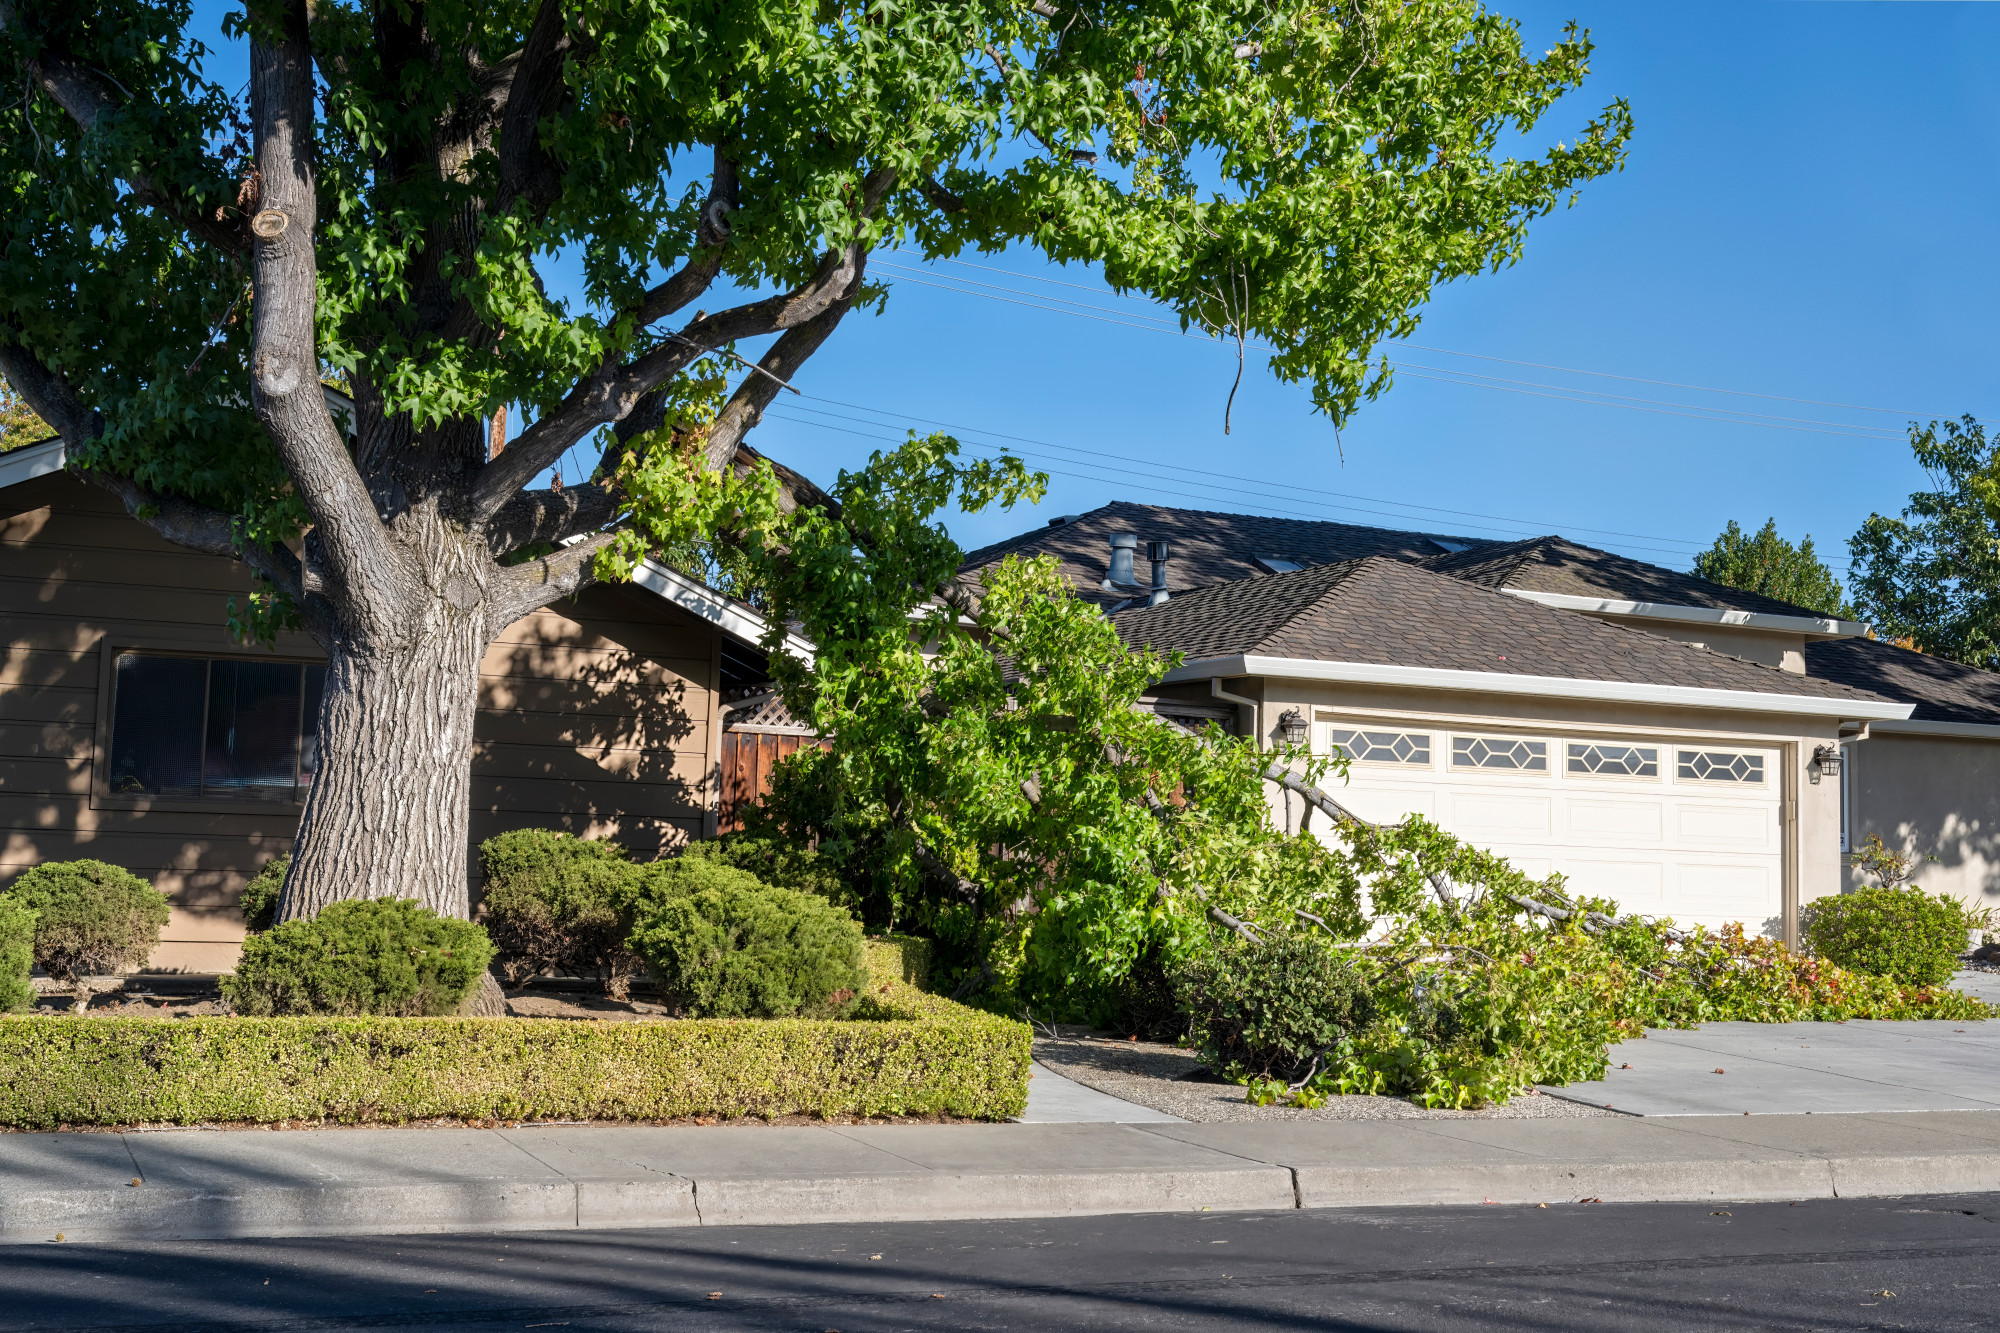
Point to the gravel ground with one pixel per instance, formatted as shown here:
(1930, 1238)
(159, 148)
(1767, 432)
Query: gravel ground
(1155, 1075)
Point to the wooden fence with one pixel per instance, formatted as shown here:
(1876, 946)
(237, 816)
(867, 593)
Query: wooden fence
(747, 760)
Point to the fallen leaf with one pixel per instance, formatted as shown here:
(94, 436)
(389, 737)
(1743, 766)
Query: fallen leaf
(1884, 1292)
(1541, 1205)
(874, 1256)
(1492, 1201)
(715, 1295)
(1625, 1066)
(1590, 1200)
(1718, 1071)
(1723, 1213)
(937, 1295)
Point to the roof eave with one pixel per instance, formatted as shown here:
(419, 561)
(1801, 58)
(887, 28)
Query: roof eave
(1817, 627)
(1546, 687)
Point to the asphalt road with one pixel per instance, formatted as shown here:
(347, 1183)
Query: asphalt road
(1821, 1265)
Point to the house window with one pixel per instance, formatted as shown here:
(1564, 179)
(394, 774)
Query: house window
(1720, 766)
(1278, 564)
(1615, 761)
(222, 727)
(1499, 752)
(1383, 747)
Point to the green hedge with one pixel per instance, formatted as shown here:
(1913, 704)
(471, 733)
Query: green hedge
(913, 1054)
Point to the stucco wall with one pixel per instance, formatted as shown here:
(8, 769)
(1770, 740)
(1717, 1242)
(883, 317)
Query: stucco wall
(1775, 648)
(1932, 796)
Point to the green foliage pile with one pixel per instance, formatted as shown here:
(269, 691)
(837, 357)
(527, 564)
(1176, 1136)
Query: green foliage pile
(1906, 934)
(389, 956)
(915, 1054)
(719, 943)
(259, 903)
(551, 903)
(1771, 565)
(90, 918)
(17, 955)
(1280, 1007)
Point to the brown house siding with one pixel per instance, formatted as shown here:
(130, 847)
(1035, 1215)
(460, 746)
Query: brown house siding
(594, 714)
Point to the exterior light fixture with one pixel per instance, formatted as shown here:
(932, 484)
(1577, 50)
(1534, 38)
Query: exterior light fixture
(1293, 724)
(1826, 762)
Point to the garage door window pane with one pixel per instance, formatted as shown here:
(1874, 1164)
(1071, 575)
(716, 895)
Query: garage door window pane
(1720, 766)
(1499, 752)
(156, 716)
(1615, 761)
(1383, 747)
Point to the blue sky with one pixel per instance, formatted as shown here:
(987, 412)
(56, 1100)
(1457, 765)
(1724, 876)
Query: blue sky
(1807, 215)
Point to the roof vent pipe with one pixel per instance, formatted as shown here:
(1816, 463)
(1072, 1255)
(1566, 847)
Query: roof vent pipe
(1123, 544)
(1157, 552)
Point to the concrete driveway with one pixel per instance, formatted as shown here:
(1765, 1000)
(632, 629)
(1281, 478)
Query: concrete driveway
(1821, 1068)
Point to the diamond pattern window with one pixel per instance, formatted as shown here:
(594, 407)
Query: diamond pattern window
(1720, 766)
(1383, 747)
(1615, 761)
(1499, 752)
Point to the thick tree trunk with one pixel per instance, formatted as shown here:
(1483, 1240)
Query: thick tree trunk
(389, 812)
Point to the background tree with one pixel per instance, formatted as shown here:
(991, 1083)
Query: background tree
(1932, 577)
(18, 423)
(391, 204)
(1769, 564)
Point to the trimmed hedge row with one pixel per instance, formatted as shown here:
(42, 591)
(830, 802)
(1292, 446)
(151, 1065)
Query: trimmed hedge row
(910, 1053)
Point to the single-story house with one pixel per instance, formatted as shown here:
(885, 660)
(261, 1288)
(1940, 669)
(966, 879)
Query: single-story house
(135, 730)
(1683, 748)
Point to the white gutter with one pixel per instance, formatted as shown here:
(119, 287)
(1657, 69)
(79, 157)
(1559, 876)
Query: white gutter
(36, 460)
(1546, 687)
(697, 598)
(1973, 731)
(1699, 615)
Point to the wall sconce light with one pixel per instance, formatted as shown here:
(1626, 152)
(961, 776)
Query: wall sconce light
(1825, 762)
(1292, 723)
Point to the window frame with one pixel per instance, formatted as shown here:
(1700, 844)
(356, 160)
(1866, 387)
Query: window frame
(1765, 767)
(1547, 771)
(1427, 764)
(1659, 766)
(101, 795)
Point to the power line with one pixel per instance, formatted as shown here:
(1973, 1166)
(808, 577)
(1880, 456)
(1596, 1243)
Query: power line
(1480, 356)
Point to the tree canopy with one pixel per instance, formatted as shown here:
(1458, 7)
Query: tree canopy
(1769, 564)
(397, 198)
(1931, 578)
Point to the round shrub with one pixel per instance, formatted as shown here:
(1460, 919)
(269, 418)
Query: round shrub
(375, 956)
(1273, 1008)
(17, 955)
(720, 943)
(90, 918)
(551, 904)
(1912, 936)
(260, 896)
(785, 865)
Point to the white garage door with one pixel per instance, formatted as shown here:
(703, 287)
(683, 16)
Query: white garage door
(1663, 828)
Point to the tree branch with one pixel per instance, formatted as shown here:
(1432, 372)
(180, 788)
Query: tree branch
(284, 362)
(87, 97)
(549, 516)
(518, 589)
(49, 394)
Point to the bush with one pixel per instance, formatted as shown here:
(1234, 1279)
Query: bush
(551, 903)
(776, 862)
(1912, 936)
(917, 1054)
(259, 903)
(1277, 1008)
(720, 943)
(376, 956)
(17, 955)
(90, 918)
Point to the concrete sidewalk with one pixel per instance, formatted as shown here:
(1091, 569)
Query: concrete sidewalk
(208, 1184)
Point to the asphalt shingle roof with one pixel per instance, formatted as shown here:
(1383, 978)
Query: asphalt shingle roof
(1558, 565)
(1207, 547)
(1942, 690)
(1393, 613)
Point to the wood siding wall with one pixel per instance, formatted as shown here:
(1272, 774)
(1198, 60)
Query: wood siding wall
(747, 760)
(595, 714)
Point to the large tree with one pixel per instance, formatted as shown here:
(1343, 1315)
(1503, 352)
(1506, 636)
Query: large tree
(1767, 563)
(183, 266)
(1931, 578)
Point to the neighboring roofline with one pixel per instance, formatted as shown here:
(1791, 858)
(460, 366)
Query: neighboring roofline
(1823, 626)
(31, 461)
(697, 598)
(1972, 731)
(1548, 687)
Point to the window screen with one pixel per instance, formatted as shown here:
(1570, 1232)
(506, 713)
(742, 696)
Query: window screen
(215, 727)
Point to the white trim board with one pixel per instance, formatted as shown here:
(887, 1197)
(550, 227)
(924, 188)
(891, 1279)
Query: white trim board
(1825, 627)
(1971, 731)
(35, 460)
(1546, 687)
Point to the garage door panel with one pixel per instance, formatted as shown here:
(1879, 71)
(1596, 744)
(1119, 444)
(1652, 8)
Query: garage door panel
(1636, 886)
(1491, 814)
(1624, 820)
(1388, 803)
(1713, 887)
(1707, 824)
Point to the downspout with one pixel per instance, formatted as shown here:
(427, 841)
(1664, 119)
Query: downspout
(1256, 709)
